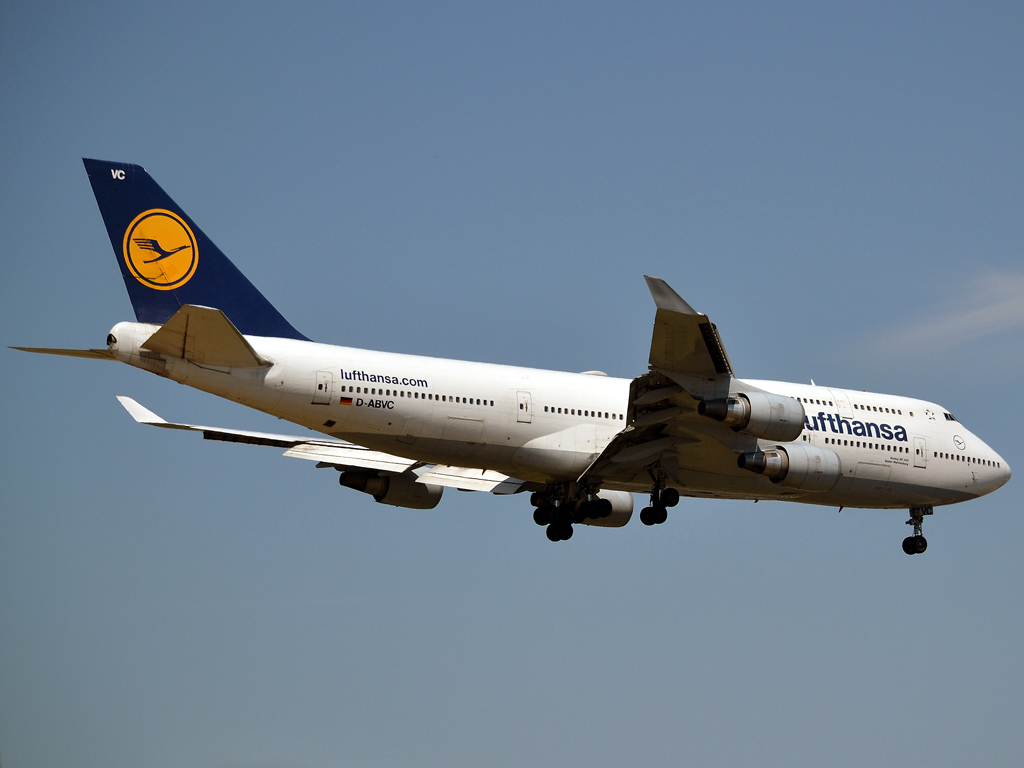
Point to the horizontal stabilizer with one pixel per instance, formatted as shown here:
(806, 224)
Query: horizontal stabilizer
(204, 336)
(93, 354)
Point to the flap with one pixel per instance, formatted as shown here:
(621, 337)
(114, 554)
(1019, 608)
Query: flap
(348, 455)
(469, 479)
(205, 336)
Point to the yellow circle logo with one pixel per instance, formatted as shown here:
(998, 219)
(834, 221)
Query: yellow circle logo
(160, 250)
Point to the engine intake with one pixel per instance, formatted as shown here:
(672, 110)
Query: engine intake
(797, 466)
(397, 490)
(758, 414)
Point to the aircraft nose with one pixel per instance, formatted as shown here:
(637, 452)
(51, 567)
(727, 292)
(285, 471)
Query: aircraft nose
(1003, 476)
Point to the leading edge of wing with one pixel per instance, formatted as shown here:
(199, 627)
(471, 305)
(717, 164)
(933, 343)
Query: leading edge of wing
(333, 452)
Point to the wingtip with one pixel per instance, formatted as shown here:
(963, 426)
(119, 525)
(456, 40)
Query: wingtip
(666, 298)
(139, 412)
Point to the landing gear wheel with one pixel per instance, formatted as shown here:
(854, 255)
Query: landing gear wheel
(604, 508)
(662, 515)
(916, 544)
(647, 516)
(559, 532)
(542, 515)
(669, 497)
(585, 509)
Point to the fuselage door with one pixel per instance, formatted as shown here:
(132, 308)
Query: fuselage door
(920, 452)
(842, 403)
(525, 412)
(324, 388)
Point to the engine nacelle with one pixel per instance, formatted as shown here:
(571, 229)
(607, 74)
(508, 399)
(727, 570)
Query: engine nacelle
(806, 467)
(397, 490)
(758, 414)
(622, 510)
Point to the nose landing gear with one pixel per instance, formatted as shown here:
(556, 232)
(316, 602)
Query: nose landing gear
(916, 544)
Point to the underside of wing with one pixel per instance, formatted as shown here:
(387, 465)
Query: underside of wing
(342, 455)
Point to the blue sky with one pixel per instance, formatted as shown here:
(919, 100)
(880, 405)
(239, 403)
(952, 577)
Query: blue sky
(840, 187)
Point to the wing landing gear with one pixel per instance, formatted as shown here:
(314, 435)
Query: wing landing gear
(563, 506)
(916, 544)
(661, 500)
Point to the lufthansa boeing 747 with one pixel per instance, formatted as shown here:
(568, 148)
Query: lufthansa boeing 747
(402, 428)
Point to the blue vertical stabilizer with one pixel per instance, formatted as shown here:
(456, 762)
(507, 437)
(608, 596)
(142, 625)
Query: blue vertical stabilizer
(167, 261)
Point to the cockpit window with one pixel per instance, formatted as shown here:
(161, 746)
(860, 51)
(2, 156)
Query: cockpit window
(949, 416)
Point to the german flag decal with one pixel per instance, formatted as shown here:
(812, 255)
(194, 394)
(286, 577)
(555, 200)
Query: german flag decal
(345, 401)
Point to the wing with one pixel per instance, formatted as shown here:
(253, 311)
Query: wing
(147, 244)
(340, 454)
(665, 438)
(685, 341)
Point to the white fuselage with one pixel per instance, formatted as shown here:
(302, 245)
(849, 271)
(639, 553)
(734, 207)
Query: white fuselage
(549, 426)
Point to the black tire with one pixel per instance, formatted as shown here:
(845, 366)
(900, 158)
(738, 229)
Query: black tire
(585, 509)
(669, 497)
(604, 508)
(909, 545)
(542, 515)
(920, 544)
(662, 515)
(554, 533)
(566, 532)
(647, 516)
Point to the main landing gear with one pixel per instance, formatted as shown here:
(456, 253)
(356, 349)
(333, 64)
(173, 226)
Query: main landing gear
(916, 544)
(559, 513)
(661, 500)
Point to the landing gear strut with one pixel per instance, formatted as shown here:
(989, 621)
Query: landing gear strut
(916, 544)
(661, 500)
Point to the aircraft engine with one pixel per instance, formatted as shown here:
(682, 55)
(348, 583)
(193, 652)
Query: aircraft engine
(758, 414)
(796, 465)
(397, 490)
(622, 510)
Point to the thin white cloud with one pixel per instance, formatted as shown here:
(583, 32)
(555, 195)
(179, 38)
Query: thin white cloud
(991, 304)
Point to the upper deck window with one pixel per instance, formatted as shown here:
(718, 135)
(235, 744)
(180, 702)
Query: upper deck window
(949, 416)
